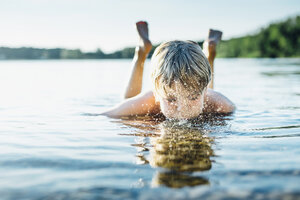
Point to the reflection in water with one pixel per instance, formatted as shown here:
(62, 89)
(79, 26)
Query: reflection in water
(177, 148)
(177, 180)
(180, 150)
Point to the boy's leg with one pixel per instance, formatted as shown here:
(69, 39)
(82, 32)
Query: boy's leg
(209, 48)
(134, 86)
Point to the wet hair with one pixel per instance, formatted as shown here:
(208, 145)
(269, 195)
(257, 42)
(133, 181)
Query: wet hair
(179, 61)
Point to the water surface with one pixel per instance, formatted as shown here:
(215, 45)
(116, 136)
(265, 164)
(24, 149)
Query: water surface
(53, 143)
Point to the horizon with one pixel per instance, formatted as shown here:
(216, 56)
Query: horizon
(81, 25)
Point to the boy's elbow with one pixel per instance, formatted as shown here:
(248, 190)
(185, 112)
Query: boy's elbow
(110, 113)
(106, 113)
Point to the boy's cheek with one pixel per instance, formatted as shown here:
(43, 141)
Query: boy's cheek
(165, 107)
(167, 110)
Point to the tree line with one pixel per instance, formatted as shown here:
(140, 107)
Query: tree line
(279, 39)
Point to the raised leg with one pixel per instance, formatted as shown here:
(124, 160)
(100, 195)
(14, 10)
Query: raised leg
(209, 48)
(134, 86)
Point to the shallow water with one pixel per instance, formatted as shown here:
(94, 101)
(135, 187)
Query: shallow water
(54, 145)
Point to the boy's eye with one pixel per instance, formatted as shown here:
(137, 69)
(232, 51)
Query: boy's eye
(170, 100)
(193, 98)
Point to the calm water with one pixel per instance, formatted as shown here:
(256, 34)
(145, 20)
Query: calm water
(54, 145)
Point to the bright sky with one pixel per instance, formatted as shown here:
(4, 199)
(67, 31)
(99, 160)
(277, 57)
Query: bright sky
(109, 24)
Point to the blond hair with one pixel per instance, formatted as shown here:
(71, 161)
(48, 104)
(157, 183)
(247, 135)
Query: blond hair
(179, 61)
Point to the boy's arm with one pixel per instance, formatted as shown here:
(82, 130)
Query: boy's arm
(215, 102)
(141, 104)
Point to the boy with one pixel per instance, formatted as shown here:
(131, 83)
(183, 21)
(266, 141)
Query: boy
(182, 78)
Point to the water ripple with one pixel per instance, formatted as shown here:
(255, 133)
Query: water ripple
(64, 164)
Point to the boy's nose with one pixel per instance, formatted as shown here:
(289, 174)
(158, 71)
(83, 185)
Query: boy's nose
(180, 106)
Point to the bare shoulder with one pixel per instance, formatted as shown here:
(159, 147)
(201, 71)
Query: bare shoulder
(215, 102)
(141, 104)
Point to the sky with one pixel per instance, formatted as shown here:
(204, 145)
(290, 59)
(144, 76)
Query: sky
(110, 24)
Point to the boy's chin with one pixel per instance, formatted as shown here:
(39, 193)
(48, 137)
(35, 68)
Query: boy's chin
(182, 117)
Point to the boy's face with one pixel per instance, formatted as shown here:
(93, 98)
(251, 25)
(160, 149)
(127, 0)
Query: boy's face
(181, 104)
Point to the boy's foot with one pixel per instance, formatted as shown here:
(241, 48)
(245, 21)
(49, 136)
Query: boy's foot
(145, 45)
(214, 35)
(209, 45)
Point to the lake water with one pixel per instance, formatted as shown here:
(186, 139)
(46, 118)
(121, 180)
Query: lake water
(54, 145)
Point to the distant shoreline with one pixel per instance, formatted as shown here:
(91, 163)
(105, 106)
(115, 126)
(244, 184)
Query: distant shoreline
(281, 39)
